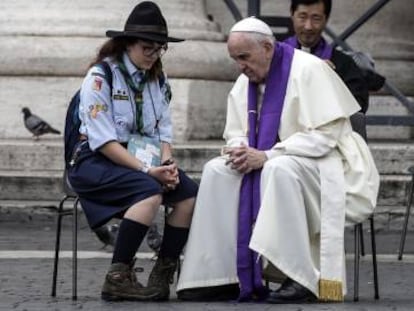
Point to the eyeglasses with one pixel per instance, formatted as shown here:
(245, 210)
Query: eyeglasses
(151, 50)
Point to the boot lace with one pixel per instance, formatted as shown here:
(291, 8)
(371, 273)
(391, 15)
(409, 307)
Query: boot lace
(164, 271)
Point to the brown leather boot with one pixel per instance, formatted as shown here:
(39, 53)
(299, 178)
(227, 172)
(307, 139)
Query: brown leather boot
(162, 275)
(121, 284)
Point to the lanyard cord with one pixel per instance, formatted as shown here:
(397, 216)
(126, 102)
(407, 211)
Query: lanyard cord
(138, 96)
(157, 121)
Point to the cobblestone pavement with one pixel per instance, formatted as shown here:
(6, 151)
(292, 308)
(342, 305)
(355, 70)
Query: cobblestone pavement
(25, 281)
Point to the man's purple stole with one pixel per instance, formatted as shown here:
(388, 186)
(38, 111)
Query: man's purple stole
(263, 133)
(323, 50)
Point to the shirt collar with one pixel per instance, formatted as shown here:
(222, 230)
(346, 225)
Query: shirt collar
(307, 49)
(132, 69)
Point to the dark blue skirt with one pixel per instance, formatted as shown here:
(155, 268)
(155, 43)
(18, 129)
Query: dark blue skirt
(106, 190)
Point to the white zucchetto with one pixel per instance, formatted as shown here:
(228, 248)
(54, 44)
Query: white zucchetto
(252, 24)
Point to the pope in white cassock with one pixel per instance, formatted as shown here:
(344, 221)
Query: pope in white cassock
(293, 174)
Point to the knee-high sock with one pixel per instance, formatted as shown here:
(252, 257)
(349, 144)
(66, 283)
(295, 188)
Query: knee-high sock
(173, 241)
(130, 236)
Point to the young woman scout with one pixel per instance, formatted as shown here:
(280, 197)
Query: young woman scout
(110, 181)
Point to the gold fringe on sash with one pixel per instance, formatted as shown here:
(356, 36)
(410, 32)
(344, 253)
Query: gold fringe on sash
(330, 291)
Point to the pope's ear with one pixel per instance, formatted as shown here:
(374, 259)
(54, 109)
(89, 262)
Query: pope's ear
(268, 48)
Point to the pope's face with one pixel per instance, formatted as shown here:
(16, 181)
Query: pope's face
(308, 23)
(252, 57)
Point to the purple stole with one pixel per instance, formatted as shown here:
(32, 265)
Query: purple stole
(323, 50)
(249, 268)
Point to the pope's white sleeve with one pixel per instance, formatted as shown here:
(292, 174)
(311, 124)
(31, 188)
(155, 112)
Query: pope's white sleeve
(313, 143)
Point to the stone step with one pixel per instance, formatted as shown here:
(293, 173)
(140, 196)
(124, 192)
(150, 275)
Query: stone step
(31, 185)
(45, 186)
(40, 210)
(37, 186)
(388, 105)
(50, 96)
(32, 170)
(391, 218)
(64, 38)
(204, 99)
(393, 190)
(46, 155)
(29, 210)
(391, 157)
(185, 18)
(62, 56)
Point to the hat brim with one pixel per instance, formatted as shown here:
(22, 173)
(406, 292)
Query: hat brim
(142, 35)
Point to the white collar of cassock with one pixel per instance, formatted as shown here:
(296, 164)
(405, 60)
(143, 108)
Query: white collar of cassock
(305, 49)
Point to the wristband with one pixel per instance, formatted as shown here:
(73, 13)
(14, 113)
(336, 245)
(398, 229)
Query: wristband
(168, 161)
(145, 169)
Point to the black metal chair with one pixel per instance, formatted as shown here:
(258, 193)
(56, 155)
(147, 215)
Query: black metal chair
(359, 126)
(70, 195)
(407, 214)
(357, 240)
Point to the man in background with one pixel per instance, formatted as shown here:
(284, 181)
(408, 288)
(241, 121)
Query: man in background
(309, 18)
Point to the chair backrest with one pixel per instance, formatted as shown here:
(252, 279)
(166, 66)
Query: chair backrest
(359, 125)
(67, 187)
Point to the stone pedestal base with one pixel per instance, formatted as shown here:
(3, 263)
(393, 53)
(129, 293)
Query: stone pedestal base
(44, 60)
(199, 109)
(198, 106)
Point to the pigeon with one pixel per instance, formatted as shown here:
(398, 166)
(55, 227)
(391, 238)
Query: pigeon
(154, 238)
(36, 125)
(107, 234)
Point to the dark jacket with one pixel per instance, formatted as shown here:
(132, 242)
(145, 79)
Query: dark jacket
(352, 77)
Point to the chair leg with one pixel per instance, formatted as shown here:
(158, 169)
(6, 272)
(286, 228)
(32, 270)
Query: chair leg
(407, 215)
(75, 249)
(361, 236)
(57, 245)
(178, 268)
(374, 257)
(356, 261)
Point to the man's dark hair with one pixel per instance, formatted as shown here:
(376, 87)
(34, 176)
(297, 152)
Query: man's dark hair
(326, 3)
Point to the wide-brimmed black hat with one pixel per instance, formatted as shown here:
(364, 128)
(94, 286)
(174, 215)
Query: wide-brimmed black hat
(145, 22)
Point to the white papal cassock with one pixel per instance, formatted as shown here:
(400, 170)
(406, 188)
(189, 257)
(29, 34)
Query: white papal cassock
(320, 175)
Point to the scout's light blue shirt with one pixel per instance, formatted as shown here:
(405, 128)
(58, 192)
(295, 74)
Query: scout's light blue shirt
(107, 117)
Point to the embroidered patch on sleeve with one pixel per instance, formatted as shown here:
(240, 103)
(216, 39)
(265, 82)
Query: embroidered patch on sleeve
(120, 95)
(95, 109)
(97, 84)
